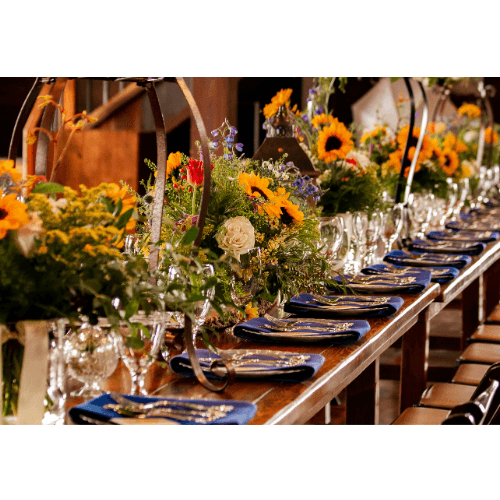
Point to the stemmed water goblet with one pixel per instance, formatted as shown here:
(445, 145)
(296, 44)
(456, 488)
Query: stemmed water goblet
(245, 274)
(373, 233)
(420, 208)
(392, 223)
(138, 352)
(359, 228)
(462, 194)
(331, 231)
(195, 280)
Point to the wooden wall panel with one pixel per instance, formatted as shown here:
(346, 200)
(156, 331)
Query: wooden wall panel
(96, 156)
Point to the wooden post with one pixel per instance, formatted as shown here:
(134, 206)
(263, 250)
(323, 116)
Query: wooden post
(470, 310)
(363, 394)
(217, 100)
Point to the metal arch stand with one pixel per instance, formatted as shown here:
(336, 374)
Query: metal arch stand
(157, 216)
(402, 197)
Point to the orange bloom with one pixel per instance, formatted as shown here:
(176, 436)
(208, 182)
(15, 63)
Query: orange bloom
(322, 119)
(436, 128)
(334, 142)
(488, 137)
(471, 110)
(13, 214)
(449, 161)
(7, 167)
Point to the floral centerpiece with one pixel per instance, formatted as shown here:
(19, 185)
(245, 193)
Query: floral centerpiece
(348, 179)
(251, 205)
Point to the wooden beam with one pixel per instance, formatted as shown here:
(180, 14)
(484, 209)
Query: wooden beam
(117, 102)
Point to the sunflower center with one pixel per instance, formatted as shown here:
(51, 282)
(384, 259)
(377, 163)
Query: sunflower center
(333, 143)
(3, 214)
(286, 218)
(258, 190)
(447, 162)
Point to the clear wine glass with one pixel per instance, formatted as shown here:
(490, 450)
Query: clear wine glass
(462, 194)
(331, 231)
(392, 223)
(196, 281)
(91, 354)
(420, 210)
(359, 228)
(246, 276)
(373, 233)
(338, 264)
(139, 352)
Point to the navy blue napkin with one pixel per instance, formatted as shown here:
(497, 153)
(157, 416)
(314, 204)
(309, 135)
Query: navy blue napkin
(422, 280)
(241, 413)
(465, 236)
(484, 225)
(251, 330)
(295, 373)
(445, 273)
(297, 303)
(448, 248)
(400, 258)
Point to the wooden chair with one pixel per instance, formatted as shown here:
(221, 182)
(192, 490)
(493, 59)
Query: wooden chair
(483, 407)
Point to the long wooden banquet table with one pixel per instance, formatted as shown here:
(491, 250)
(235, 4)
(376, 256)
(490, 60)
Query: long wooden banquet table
(354, 367)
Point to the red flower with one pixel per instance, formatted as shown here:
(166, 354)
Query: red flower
(352, 161)
(195, 172)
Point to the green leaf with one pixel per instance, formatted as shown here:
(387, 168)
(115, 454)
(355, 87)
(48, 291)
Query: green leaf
(134, 343)
(122, 221)
(190, 236)
(48, 187)
(118, 208)
(131, 309)
(395, 78)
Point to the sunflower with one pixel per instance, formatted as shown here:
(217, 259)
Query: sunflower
(271, 208)
(321, 120)
(436, 128)
(13, 214)
(471, 110)
(449, 161)
(334, 142)
(488, 136)
(280, 99)
(291, 212)
(460, 147)
(270, 109)
(428, 144)
(255, 186)
(7, 167)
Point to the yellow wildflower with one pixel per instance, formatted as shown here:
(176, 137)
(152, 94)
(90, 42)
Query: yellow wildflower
(471, 110)
(251, 312)
(7, 167)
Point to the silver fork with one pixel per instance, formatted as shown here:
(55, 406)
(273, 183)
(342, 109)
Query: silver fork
(396, 270)
(372, 300)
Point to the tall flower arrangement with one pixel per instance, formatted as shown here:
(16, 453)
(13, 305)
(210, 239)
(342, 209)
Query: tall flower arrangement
(251, 205)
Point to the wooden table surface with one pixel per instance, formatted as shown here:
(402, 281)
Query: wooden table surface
(354, 366)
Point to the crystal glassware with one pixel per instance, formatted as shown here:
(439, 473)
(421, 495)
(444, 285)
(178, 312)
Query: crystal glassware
(359, 228)
(392, 223)
(140, 351)
(463, 191)
(331, 230)
(246, 276)
(420, 212)
(195, 282)
(91, 355)
(373, 233)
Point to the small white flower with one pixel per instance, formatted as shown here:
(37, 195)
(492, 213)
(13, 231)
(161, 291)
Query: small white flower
(471, 136)
(57, 205)
(26, 235)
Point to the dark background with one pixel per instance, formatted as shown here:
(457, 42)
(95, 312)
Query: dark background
(13, 91)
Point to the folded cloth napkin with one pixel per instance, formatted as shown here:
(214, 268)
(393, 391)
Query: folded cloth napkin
(465, 236)
(422, 259)
(439, 275)
(448, 247)
(305, 305)
(240, 414)
(422, 280)
(293, 373)
(255, 328)
(469, 224)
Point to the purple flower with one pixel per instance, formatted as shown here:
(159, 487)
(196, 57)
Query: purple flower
(304, 117)
(312, 91)
(319, 110)
(306, 178)
(215, 133)
(229, 140)
(215, 144)
(233, 131)
(228, 157)
(239, 146)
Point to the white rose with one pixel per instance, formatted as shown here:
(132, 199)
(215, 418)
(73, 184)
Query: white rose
(471, 136)
(236, 236)
(57, 205)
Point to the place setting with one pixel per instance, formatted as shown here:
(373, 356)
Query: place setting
(414, 282)
(252, 364)
(337, 306)
(302, 330)
(464, 236)
(439, 275)
(119, 409)
(426, 259)
(448, 247)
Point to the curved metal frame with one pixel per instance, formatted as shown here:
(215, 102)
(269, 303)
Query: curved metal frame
(158, 204)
